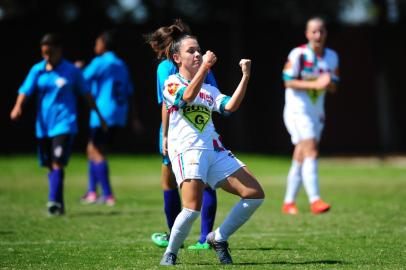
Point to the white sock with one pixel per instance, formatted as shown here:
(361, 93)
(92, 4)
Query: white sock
(294, 182)
(181, 228)
(311, 178)
(241, 212)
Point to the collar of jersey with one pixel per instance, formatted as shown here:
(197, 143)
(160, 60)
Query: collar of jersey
(314, 54)
(183, 80)
(44, 67)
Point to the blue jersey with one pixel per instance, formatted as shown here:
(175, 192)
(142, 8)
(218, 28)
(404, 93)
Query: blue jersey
(56, 97)
(167, 68)
(111, 87)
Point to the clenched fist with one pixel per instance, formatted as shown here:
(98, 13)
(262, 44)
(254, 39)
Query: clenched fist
(245, 65)
(209, 59)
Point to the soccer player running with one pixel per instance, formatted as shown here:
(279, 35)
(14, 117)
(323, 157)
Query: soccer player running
(56, 83)
(197, 155)
(310, 71)
(111, 87)
(160, 41)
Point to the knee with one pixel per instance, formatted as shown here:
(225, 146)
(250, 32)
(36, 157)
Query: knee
(257, 193)
(169, 183)
(193, 205)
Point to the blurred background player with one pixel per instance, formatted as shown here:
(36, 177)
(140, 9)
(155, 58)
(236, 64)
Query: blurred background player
(197, 155)
(160, 41)
(309, 72)
(56, 83)
(111, 87)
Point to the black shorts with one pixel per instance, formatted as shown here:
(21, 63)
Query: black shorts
(55, 149)
(101, 138)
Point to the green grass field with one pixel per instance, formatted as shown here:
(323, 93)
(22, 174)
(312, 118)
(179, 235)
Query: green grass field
(366, 228)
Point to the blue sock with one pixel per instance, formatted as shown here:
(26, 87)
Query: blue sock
(102, 175)
(172, 206)
(92, 177)
(208, 214)
(55, 178)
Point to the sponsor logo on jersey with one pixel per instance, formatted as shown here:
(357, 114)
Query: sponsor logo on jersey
(60, 82)
(197, 115)
(173, 88)
(206, 97)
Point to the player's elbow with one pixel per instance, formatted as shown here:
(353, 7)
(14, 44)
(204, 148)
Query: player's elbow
(231, 108)
(288, 84)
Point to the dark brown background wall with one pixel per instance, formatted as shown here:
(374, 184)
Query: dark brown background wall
(366, 116)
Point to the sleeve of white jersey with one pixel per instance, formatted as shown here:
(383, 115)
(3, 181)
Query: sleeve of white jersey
(220, 100)
(292, 66)
(173, 92)
(335, 74)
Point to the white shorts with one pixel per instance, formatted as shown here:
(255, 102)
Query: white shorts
(302, 126)
(210, 166)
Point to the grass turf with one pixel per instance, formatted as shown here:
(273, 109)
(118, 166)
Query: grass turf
(366, 228)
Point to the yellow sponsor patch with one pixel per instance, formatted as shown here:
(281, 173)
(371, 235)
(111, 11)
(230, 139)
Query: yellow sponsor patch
(197, 115)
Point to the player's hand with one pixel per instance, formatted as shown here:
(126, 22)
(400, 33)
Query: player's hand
(16, 113)
(165, 146)
(104, 125)
(245, 65)
(209, 59)
(79, 63)
(323, 81)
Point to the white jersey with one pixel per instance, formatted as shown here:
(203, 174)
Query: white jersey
(190, 124)
(304, 64)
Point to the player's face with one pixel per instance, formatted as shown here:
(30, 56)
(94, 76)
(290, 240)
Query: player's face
(99, 46)
(316, 33)
(190, 56)
(51, 54)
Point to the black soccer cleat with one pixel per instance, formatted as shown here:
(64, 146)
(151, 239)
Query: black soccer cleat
(221, 248)
(168, 259)
(55, 209)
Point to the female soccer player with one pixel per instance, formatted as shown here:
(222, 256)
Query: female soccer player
(111, 87)
(197, 155)
(309, 72)
(160, 41)
(56, 83)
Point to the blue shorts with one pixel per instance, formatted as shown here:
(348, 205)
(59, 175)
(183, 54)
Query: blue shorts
(55, 149)
(165, 159)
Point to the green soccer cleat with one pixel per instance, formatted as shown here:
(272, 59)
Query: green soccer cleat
(199, 246)
(160, 239)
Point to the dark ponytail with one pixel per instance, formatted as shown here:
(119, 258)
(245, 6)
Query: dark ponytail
(163, 41)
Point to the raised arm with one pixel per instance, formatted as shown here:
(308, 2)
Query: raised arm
(239, 93)
(193, 89)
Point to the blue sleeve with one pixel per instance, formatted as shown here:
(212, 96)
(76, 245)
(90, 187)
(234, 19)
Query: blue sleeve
(92, 70)
(30, 82)
(163, 72)
(82, 87)
(130, 87)
(129, 84)
(210, 79)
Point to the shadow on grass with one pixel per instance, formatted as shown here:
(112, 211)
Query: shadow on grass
(261, 248)
(311, 262)
(95, 213)
(283, 263)
(6, 232)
